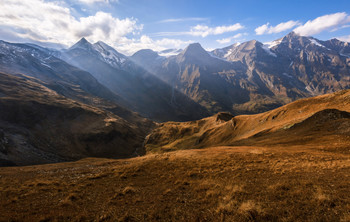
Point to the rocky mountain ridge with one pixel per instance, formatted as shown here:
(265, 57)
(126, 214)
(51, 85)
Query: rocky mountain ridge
(253, 77)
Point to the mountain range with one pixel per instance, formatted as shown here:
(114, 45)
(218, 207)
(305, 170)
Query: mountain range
(249, 77)
(145, 93)
(123, 97)
(253, 77)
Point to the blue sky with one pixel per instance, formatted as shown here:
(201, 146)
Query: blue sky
(129, 25)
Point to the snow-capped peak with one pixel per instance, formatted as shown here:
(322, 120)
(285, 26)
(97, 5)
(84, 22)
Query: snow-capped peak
(109, 54)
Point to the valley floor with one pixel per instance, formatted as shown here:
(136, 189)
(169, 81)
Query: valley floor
(295, 183)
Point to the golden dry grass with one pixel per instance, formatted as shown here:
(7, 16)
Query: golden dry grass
(214, 184)
(318, 120)
(289, 164)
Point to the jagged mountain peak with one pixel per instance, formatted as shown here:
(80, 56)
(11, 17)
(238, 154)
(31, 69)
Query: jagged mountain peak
(194, 49)
(100, 50)
(195, 45)
(83, 40)
(295, 37)
(82, 44)
(292, 34)
(339, 42)
(193, 53)
(251, 43)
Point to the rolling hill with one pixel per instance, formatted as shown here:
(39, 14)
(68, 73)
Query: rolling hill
(317, 120)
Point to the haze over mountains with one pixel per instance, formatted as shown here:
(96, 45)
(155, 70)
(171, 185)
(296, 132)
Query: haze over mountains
(122, 91)
(250, 77)
(145, 93)
(254, 77)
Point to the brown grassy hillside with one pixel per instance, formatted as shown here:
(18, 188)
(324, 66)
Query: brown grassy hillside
(289, 164)
(37, 125)
(247, 183)
(305, 121)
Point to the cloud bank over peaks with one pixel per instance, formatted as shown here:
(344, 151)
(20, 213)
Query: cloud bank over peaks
(182, 20)
(51, 22)
(229, 39)
(203, 30)
(344, 38)
(329, 22)
(89, 2)
(42, 21)
(268, 29)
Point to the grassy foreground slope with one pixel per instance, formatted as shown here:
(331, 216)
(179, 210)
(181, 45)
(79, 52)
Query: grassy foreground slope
(213, 184)
(289, 164)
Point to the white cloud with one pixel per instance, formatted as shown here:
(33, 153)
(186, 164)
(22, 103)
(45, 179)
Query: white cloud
(229, 39)
(262, 29)
(49, 23)
(203, 30)
(97, 1)
(157, 34)
(344, 38)
(42, 21)
(323, 23)
(182, 20)
(267, 29)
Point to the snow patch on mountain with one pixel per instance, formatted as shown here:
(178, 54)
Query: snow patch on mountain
(44, 64)
(273, 43)
(229, 52)
(217, 57)
(286, 74)
(109, 54)
(268, 50)
(315, 42)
